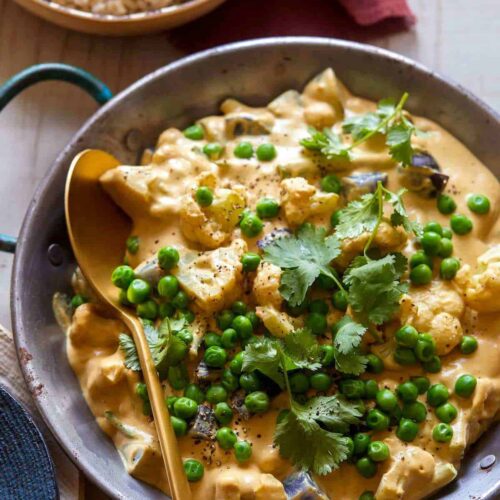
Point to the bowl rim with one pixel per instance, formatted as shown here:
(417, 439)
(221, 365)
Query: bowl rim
(117, 20)
(22, 337)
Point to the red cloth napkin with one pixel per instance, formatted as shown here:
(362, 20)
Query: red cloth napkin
(244, 19)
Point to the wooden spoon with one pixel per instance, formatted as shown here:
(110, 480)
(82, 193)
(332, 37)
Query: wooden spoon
(98, 230)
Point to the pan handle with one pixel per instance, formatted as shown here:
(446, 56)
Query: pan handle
(39, 73)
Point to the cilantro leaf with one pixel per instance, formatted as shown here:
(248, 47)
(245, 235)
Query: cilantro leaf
(127, 345)
(303, 349)
(360, 216)
(400, 216)
(399, 142)
(360, 126)
(264, 356)
(386, 108)
(375, 290)
(348, 335)
(327, 143)
(303, 257)
(310, 447)
(353, 363)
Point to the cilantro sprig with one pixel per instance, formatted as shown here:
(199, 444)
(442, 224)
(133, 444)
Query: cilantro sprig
(310, 434)
(302, 257)
(388, 119)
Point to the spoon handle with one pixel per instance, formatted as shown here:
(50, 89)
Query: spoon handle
(179, 486)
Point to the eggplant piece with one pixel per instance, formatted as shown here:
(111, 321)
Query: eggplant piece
(237, 403)
(356, 185)
(272, 236)
(301, 486)
(204, 424)
(204, 374)
(149, 271)
(423, 176)
(238, 124)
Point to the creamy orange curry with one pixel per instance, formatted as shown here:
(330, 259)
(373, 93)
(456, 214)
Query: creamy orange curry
(363, 306)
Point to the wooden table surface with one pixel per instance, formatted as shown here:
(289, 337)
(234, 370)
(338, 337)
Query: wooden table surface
(458, 38)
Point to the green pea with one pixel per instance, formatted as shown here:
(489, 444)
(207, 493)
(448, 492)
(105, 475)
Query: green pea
(243, 150)
(371, 389)
(147, 309)
(243, 326)
(236, 364)
(122, 299)
(420, 257)
(331, 184)
(386, 400)
(478, 203)
(132, 244)
(185, 408)
(251, 225)
(460, 224)
(431, 243)
(446, 204)
(185, 335)
(326, 282)
(215, 357)
(212, 339)
(194, 392)
(318, 306)
(425, 348)
(266, 152)
(223, 413)
(239, 308)
(465, 385)
(194, 132)
(242, 451)
(407, 392)
(433, 227)
(138, 291)
(442, 433)
(213, 150)
(361, 442)
(224, 319)
(141, 390)
(352, 388)
(366, 467)
(407, 336)
(250, 382)
(267, 208)
(407, 430)
(170, 401)
(229, 338)
(317, 323)
(468, 344)
(179, 425)
(216, 394)
(320, 381)
(168, 257)
(447, 233)
(194, 469)
(446, 413)
(378, 451)
(229, 381)
(181, 300)
(374, 364)
(339, 300)
(204, 196)
(437, 395)
(446, 248)
(250, 261)
(449, 268)
(254, 319)
(257, 402)
(122, 277)
(421, 275)
(78, 300)
(433, 365)
(335, 218)
(404, 356)
(327, 355)
(299, 383)
(168, 286)
(415, 411)
(367, 495)
(422, 383)
(188, 315)
(377, 420)
(226, 438)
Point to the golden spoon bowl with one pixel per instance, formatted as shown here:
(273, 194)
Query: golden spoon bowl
(98, 230)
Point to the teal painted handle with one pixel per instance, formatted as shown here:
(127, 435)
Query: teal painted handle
(43, 72)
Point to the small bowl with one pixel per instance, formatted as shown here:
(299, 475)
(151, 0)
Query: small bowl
(127, 25)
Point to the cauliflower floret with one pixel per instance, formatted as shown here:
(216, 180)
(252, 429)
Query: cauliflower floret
(388, 239)
(213, 279)
(211, 226)
(278, 323)
(266, 285)
(482, 290)
(437, 310)
(301, 200)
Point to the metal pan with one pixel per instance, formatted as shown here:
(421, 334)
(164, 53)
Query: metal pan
(254, 71)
